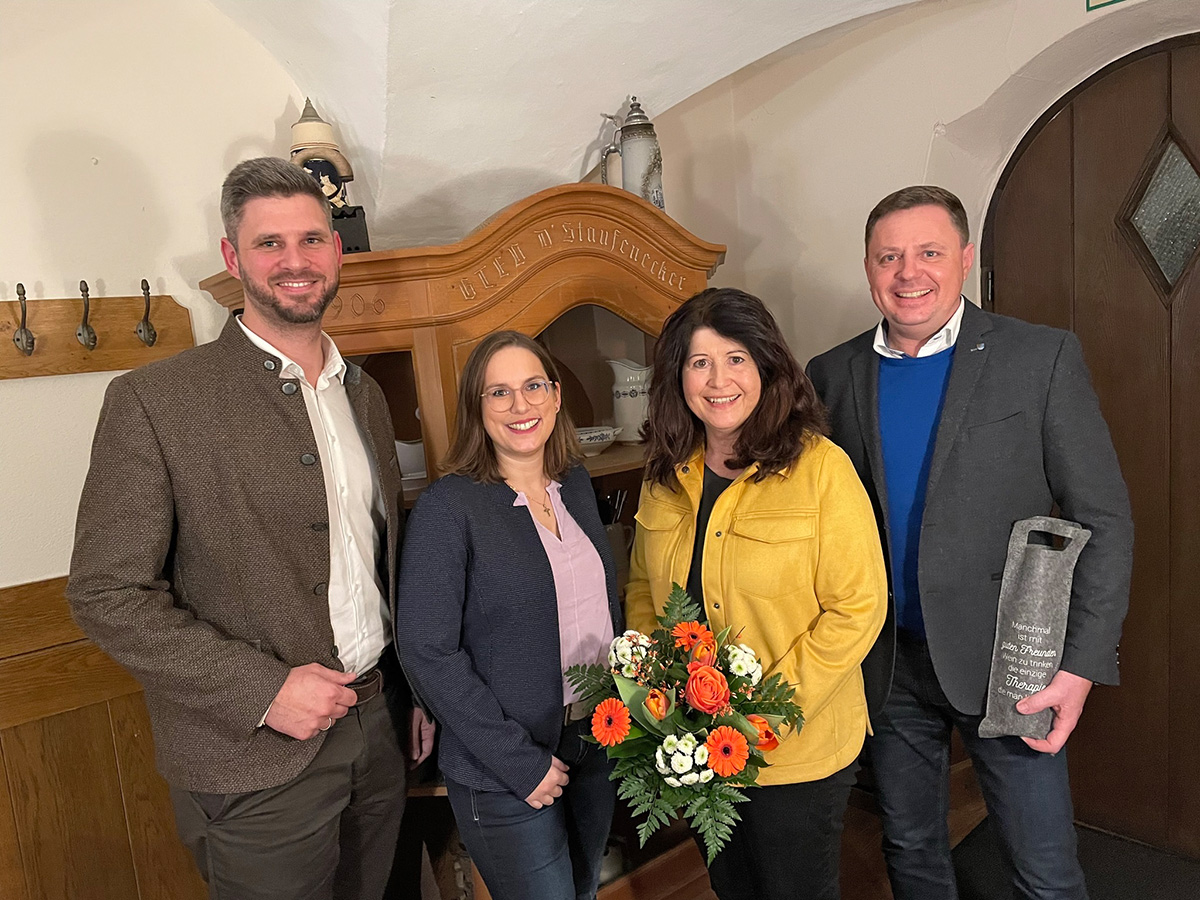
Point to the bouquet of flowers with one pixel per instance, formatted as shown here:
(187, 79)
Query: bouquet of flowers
(688, 717)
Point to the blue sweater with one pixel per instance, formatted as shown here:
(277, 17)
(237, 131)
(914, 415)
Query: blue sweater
(477, 626)
(911, 393)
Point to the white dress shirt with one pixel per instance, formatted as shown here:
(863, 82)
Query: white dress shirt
(943, 339)
(357, 516)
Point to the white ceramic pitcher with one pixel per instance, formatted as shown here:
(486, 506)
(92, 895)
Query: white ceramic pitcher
(631, 397)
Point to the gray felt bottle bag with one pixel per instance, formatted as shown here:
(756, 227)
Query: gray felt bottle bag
(1031, 624)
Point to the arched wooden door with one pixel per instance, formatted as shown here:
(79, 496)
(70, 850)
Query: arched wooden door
(1095, 228)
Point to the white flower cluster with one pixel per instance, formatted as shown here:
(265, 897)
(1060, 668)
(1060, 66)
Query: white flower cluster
(681, 761)
(743, 662)
(627, 650)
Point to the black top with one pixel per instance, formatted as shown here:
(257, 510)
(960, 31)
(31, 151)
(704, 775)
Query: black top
(714, 486)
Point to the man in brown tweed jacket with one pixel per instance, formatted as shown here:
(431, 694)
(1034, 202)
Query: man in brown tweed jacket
(236, 550)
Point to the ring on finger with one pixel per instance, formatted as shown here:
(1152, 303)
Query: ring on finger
(330, 725)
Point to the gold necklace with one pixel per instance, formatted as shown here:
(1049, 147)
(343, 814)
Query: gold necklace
(544, 504)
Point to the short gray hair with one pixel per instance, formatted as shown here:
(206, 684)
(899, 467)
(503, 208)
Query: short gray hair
(921, 195)
(266, 176)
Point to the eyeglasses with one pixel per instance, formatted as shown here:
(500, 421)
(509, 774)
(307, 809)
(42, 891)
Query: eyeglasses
(501, 399)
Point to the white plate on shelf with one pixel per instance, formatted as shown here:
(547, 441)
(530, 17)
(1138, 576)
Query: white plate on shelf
(595, 439)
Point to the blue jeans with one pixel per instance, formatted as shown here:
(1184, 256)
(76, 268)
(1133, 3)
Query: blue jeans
(552, 853)
(1027, 793)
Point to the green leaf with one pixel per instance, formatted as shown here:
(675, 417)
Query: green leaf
(680, 607)
(593, 683)
(633, 695)
(742, 724)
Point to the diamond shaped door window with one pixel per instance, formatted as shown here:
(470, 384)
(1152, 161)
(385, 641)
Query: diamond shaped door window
(1168, 215)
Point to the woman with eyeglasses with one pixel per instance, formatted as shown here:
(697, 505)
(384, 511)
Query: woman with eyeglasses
(507, 579)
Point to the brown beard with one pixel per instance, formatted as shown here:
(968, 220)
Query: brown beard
(262, 297)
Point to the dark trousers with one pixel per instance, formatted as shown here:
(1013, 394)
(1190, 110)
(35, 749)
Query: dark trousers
(788, 844)
(328, 834)
(553, 853)
(1027, 793)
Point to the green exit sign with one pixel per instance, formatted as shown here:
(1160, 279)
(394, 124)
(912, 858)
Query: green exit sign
(1097, 4)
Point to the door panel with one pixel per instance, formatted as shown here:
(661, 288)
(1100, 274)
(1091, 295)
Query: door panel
(1062, 255)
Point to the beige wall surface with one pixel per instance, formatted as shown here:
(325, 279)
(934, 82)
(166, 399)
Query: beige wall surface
(784, 159)
(120, 119)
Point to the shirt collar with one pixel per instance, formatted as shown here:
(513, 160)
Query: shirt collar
(943, 339)
(335, 366)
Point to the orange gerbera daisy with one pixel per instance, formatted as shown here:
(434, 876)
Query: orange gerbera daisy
(610, 722)
(688, 634)
(727, 751)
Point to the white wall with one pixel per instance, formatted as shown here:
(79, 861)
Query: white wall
(120, 119)
(784, 159)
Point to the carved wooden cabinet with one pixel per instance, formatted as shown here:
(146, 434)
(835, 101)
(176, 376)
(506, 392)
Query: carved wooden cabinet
(564, 248)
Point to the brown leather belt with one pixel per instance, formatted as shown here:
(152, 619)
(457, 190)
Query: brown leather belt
(573, 712)
(367, 686)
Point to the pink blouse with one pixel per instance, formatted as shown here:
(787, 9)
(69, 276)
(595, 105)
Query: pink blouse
(585, 628)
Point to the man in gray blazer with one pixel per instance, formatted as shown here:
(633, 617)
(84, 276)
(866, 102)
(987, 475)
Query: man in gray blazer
(236, 550)
(961, 423)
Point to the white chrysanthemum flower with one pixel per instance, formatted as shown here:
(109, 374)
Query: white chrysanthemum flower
(740, 666)
(629, 670)
(681, 762)
(748, 650)
(707, 775)
(689, 778)
(660, 762)
(674, 782)
(671, 743)
(756, 674)
(701, 755)
(687, 743)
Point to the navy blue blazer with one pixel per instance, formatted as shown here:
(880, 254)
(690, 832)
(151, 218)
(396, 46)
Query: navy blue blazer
(477, 626)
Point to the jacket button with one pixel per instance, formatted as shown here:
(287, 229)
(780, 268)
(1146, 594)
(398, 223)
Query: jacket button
(319, 526)
(335, 651)
(269, 365)
(320, 589)
(716, 606)
(307, 459)
(718, 534)
(289, 388)
(685, 470)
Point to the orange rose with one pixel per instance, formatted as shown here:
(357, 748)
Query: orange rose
(657, 704)
(688, 633)
(705, 652)
(767, 739)
(707, 690)
(727, 751)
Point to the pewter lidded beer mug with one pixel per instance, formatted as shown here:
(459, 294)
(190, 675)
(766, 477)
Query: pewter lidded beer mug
(641, 161)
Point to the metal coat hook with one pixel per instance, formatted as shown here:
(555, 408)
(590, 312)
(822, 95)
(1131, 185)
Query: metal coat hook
(145, 330)
(23, 337)
(85, 333)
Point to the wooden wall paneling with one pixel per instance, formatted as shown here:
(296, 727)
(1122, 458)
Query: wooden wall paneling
(1183, 785)
(34, 616)
(47, 682)
(1034, 255)
(12, 873)
(165, 869)
(66, 796)
(1119, 752)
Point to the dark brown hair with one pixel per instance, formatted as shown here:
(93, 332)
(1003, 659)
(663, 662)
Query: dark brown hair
(921, 195)
(788, 411)
(472, 453)
(266, 176)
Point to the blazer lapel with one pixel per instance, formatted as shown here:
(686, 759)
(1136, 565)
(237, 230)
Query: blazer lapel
(970, 356)
(864, 373)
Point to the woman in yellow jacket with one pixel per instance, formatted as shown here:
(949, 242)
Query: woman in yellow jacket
(766, 523)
